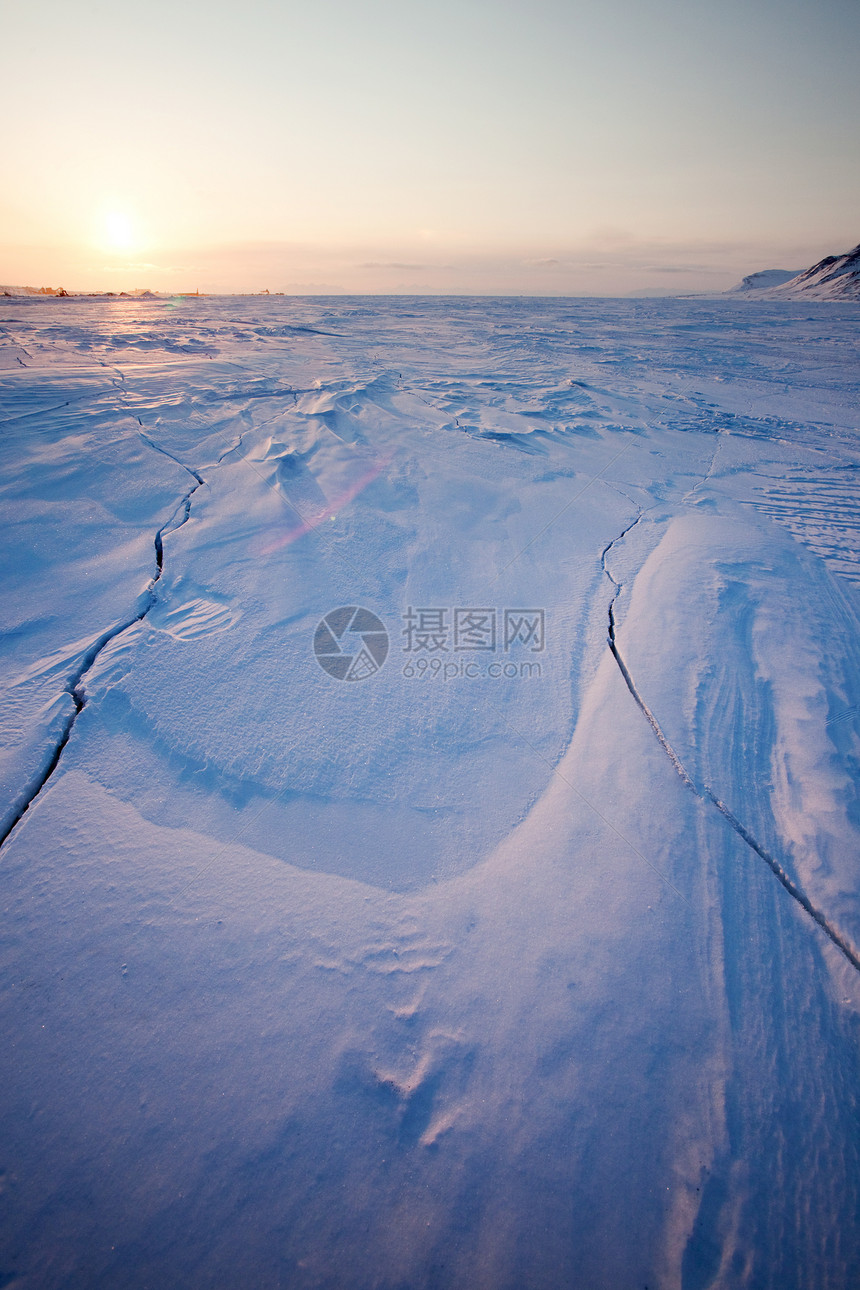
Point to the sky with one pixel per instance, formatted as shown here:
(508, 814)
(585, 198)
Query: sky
(548, 147)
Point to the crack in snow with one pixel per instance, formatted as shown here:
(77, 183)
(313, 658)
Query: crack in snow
(158, 448)
(710, 469)
(45, 412)
(75, 685)
(706, 793)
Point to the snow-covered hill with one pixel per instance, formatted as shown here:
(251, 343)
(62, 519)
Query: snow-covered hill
(836, 277)
(764, 279)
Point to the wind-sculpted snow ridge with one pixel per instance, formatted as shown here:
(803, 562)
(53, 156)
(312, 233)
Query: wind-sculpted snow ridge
(821, 506)
(704, 793)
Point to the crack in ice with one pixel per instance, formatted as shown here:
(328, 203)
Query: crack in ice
(75, 685)
(706, 793)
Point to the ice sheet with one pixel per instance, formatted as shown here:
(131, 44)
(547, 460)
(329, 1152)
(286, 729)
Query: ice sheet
(448, 976)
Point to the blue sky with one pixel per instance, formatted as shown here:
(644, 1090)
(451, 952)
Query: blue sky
(546, 147)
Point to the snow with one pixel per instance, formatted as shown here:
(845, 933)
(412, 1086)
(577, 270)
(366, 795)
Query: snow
(765, 278)
(445, 976)
(836, 277)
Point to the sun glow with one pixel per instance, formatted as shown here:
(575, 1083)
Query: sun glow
(119, 232)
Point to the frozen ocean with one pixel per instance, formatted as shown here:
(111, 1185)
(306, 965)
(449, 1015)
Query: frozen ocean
(431, 829)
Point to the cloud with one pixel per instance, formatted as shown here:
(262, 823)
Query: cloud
(682, 268)
(138, 266)
(400, 264)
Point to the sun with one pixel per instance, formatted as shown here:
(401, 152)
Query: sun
(119, 232)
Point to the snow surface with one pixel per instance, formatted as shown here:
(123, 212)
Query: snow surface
(430, 979)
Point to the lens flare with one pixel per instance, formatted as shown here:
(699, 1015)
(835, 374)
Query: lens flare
(307, 523)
